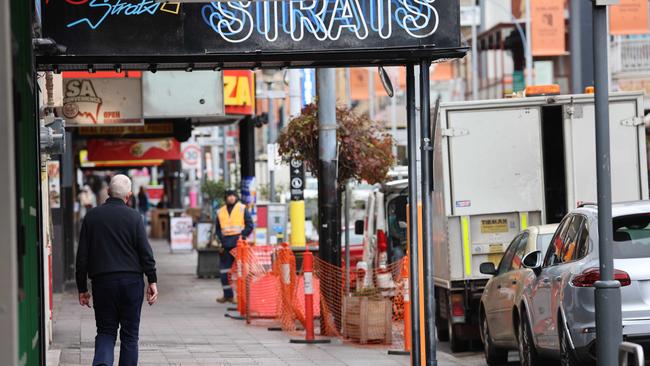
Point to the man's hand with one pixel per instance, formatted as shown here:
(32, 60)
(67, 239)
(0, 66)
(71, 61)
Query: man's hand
(152, 294)
(84, 299)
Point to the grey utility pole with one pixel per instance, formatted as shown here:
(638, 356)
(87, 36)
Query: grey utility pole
(576, 48)
(414, 255)
(328, 249)
(426, 147)
(8, 219)
(608, 292)
(529, 44)
(273, 136)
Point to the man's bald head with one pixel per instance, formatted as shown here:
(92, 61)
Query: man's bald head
(120, 187)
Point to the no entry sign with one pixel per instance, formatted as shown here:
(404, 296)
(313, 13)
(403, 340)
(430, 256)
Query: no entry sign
(251, 33)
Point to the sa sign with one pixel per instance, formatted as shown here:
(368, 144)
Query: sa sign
(96, 101)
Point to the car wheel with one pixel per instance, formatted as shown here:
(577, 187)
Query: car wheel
(567, 356)
(493, 355)
(527, 352)
(455, 343)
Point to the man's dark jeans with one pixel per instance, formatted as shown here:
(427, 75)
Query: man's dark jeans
(117, 299)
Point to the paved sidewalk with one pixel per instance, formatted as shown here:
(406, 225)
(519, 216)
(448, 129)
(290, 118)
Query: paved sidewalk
(187, 327)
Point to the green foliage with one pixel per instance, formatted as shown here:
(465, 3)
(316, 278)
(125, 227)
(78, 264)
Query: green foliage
(213, 190)
(365, 152)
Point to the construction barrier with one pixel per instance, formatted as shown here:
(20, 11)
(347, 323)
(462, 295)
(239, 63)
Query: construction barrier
(375, 311)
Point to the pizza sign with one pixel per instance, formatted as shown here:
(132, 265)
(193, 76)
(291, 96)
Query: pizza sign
(96, 101)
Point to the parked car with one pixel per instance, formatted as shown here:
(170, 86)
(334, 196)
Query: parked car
(503, 292)
(556, 316)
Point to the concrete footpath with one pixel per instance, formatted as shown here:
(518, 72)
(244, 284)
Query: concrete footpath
(187, 327)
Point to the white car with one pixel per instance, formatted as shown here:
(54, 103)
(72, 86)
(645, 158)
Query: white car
(503, 292)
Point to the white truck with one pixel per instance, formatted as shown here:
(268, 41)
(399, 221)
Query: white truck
(500, 166)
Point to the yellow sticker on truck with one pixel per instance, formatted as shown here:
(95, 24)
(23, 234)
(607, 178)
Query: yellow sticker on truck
(494, 226)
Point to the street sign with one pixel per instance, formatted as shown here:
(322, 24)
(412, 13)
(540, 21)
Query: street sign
(470, 15)
(246, 34)
(190, 155)
(297, 179)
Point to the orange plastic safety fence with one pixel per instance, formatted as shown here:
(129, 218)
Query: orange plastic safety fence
(371, 314)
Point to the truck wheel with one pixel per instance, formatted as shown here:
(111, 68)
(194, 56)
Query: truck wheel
(442, 329)
(493, 355)
(455, 343)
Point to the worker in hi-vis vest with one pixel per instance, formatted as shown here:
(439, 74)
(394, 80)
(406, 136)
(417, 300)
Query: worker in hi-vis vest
(233, 221)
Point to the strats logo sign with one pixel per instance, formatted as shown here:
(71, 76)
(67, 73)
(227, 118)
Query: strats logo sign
(81, 100)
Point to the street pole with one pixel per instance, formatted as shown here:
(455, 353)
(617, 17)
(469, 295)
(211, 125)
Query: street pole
(8, 218)
(371, 93)
(224, 160)
(608, 292)
(328, 249)
(393, 117)
(296, 207)
(427, 215)
(414, 268)
(529, 45)
(576, 48)
(475, 18)
(272, 137)
(348, 199)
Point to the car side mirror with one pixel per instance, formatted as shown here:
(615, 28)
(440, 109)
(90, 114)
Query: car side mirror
(533, 260)
(358, 227)
(487, 268)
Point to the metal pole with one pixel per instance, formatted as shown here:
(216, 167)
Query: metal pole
(272, 137)
(328, 249)
(414, 269)
(427, 216)
(576, 48)
(8, 217)
(296, 207)
(529, 45)
(224, 160)
(607, 293)
(371, 93)
(475, 58)
(393, 117)
(348, 88)
(348, 193)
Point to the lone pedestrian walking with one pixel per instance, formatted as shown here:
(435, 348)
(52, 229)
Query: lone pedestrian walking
(114, 252)
(233, 221)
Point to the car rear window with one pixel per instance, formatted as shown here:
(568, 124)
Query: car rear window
(632, 236)
(543, 241)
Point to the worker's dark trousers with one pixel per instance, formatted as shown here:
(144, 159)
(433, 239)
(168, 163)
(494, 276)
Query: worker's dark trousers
(225, 264)
(117, 299)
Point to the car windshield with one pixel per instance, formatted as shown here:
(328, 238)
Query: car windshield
(543, 240)
(632, 236)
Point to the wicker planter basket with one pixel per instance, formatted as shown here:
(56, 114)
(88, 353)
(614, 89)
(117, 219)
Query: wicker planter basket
(367, 319)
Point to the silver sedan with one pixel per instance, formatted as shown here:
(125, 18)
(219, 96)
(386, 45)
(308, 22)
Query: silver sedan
(557, 312)
(502, 293)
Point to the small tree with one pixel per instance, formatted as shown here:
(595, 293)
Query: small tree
(365, 152)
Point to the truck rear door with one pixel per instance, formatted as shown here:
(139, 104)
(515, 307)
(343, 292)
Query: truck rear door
(628, 154)
(493, 179)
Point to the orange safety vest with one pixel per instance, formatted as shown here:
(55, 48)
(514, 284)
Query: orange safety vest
(233, 223)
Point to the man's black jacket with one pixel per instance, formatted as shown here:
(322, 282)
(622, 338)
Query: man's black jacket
(113, 240)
